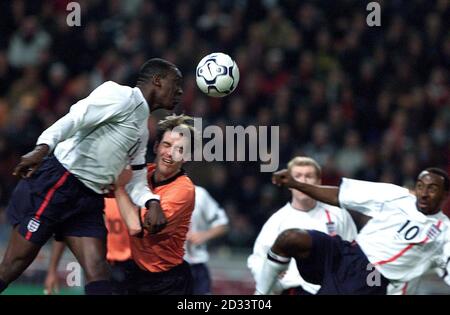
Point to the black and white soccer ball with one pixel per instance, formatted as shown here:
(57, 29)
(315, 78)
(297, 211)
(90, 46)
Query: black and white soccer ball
(217, 75)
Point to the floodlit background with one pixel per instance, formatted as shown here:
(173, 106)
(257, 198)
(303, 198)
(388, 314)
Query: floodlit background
(371, 103)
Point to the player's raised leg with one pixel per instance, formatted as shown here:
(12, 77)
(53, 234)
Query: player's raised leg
(294, 243)
(291, 243)
(18, 256)
(91, 254)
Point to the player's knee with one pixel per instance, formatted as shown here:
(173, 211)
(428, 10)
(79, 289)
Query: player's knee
(290, 242)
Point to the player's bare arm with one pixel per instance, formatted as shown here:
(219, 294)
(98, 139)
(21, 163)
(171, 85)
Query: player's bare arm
(31, 161)
(154, 220)
(326, 194)
(128, 211)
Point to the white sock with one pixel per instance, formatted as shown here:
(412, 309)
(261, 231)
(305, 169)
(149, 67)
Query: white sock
(272, 267)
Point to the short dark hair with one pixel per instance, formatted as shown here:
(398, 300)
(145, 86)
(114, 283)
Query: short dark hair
(152, 67)
(440, 172)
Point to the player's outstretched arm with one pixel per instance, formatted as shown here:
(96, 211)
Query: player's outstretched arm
(326, 194)
(31, 161)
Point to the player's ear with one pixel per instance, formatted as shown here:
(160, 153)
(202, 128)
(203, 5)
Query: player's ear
(155, 147)
(156, 80)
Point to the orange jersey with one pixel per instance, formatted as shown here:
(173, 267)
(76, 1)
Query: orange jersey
(165, 250)
(118, 241)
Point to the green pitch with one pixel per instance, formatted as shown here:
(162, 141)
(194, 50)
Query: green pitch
(29, 289)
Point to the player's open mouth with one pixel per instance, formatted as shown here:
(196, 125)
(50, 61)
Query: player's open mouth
(167, 161)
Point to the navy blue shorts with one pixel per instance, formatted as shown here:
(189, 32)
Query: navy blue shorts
(340, 267)
(202, 279)
(55, 202)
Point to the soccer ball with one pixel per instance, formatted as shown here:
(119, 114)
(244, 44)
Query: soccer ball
(217, 75)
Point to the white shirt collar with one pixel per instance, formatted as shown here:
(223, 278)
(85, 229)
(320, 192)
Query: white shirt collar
(141, 96)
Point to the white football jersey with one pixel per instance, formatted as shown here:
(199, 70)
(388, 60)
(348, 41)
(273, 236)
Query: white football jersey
(400, 241)
(206, 215)
(322, 217)
(100, 135)
(404, 288)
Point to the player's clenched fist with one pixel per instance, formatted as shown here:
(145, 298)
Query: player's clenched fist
(283, 178)
(154, 220)
(31, 161)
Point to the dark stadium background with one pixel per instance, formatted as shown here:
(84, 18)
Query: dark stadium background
(371, 103)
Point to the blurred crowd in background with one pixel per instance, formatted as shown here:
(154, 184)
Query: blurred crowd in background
(371, 103)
